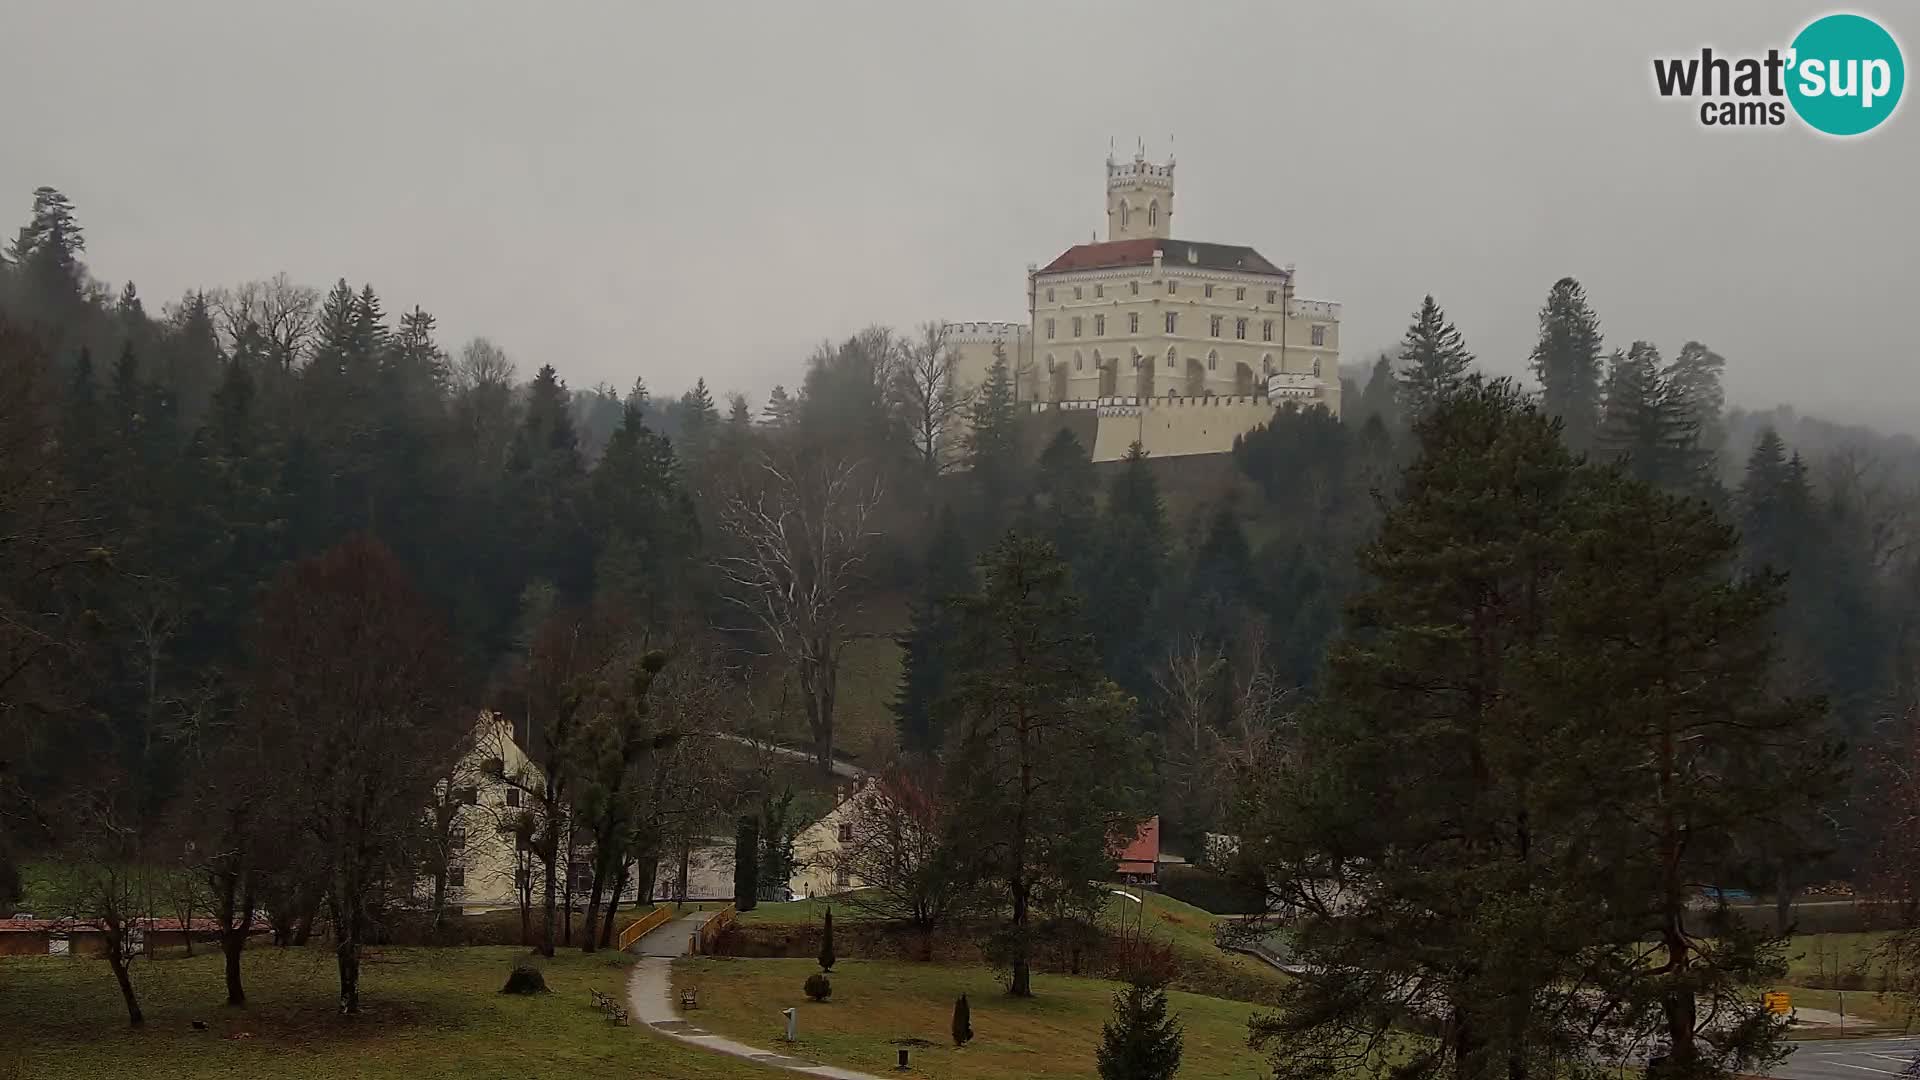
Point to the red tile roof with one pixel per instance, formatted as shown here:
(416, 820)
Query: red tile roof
(1175, 253)
(1142, 853)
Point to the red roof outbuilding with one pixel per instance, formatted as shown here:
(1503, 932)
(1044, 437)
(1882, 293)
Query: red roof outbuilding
(1141, 854)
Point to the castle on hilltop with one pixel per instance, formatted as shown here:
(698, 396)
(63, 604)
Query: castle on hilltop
(1180, 345)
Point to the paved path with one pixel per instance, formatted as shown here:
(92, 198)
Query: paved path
(846, 770)
(672, 938)
(650, 1000)
(1848, 1059)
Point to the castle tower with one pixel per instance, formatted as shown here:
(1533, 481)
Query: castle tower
(1139, 198)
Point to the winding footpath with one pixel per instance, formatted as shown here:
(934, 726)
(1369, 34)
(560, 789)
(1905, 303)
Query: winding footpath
(650, 1000)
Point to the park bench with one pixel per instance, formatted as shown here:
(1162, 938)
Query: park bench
(615, 1011)
(689, 997)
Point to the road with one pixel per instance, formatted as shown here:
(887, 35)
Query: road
(844, 769)
(1847, 1059)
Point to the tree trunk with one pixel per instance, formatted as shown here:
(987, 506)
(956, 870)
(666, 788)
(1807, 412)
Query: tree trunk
(589, 928)
(817, 686)
(680, 885)
(439, 899)
(549, 858)
(234, 927)
(348, 953)
(117, 960)
(613, 904)
(1783, 895)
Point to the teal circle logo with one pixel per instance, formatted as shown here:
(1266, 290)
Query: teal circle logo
(1845, 74)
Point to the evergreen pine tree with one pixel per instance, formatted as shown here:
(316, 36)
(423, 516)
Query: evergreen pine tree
(1127, 575)
(993, 446)
(1060, 503)
(1693, 383)
(699, 421)
(930, 635)
(1433, 360)
(826, 942)
(780, 409)
(1566, 361)
(643, 518)
(1141, 1042)
(1380, 398)
(1646, 425)
(962, 1022)
(746, 863)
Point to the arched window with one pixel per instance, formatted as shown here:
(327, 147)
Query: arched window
(1078, 363)
(1213, 360)
(1049, 361)
(1172, 357)
(1153, 214)
(1266, 364)
(1123, 213)
(1316, 367)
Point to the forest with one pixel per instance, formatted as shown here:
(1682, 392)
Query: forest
(268, 549)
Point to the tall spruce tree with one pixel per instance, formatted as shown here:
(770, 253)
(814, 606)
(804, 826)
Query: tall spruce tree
(1060, 502)
(1566, 361)
(1433, 360)
(1647, 425)
(1128, 574)
(1044, 769)
(932, 630)
(1141, 1042)
(993, 448)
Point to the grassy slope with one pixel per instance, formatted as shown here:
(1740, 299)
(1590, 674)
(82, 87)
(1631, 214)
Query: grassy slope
(430, 1013)
(1052, 1035)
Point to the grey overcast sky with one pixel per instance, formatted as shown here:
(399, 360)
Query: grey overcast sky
(672, 189)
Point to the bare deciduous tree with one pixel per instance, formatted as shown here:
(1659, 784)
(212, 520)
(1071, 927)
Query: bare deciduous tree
(272, 319)
(896, 846)
(800, 532)
(927, 393)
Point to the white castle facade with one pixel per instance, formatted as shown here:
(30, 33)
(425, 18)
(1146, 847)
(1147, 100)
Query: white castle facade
(1180, 345)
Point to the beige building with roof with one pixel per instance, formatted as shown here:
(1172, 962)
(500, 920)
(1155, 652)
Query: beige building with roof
(1181, 345)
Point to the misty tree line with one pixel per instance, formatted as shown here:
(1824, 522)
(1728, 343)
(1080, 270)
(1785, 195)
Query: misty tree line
(215, 499)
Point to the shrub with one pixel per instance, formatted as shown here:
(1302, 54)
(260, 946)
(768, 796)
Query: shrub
(525, 979)
(826, 943)
(962, 1022)
(819, 987)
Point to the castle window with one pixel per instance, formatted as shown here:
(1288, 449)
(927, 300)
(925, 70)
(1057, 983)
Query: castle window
(457, 877)
(1240, 329)
(1172, 287)
(1153, 214)
(1079, 363)
(1320, 335)
(1076, 292)
(1135, 287)
(1099, 326)
(1099, 291)
(1133, 322)
(1123, 214)
(1266, 330)
(1209, 292)
(1213, 361)
(1173, 320)
(1171, 360)
(1270, 295)
(846, 832)
(1213, 324)
(1076, 326)
(457, 837)
(1316, 367)
(1240, 292)
(1049, 329)
(1049, 294)
(1136, 361)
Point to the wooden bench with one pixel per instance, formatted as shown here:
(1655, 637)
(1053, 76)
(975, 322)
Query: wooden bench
(689, 997)
(615, 1011)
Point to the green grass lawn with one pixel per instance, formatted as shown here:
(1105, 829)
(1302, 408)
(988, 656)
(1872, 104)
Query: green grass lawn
(1818, 957)
(1050, 1036)
(429, 1014)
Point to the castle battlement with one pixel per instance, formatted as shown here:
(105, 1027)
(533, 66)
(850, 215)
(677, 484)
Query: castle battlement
(1139, 173)
(1314, 309)
(985, 332)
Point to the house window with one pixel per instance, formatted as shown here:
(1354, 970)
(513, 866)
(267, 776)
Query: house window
(1099, 291)
(1316, 367)
(1171, 361)
(1213, 326)
(1209, 291)
(1173, 319)
(1266, 330)
(1136, 361)
(1079, 362)
(846, 832)
(1213, 361)
(513, 796)
(458, 837)
(1076, 292)
(469, 796)
(1240, 292)
(1049, 329)
(841, 878)
(1271, 294)
(1099, 326)
(1133, 322)
(1076, 326)
(1049, 294)
(1135, 286)
(1240, 329)
(1172, 287)
(457, 876)
(1320, 335)
(523, 878)
(1153, 214)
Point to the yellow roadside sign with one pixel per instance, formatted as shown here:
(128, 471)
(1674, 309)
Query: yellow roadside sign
(1778, 1003)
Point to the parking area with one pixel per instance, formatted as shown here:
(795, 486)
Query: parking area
(1849, 1059)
